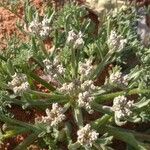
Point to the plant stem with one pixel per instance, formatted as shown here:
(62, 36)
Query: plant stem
(38, 102)
(110, 96)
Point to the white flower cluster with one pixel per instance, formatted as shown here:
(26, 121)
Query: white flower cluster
(88, 85)
(83, 90)
(54, 68)
(118, 78)
(70, 87)
(87, 136)
(67, 88)
(85, 68)
(143, 31)
(121, 107)
(54, 116)
(19, 84)
(116, 42)
(75, 40)
(85, 96)
(84, 100)
(40, 28)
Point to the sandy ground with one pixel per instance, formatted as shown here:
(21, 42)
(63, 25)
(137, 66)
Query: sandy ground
(8, 21)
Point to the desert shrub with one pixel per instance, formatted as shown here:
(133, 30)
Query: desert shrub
(81, 110)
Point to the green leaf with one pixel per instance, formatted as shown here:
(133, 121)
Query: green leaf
(109, 97)
(97, 124)
(124, 136)
(43, 82)
(142, 103)
(78, 117)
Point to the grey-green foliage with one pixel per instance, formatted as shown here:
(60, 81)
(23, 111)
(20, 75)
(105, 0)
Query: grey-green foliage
(73, 17)
(28, 58)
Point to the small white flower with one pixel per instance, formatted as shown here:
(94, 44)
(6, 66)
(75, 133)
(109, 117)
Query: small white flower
(118, 78)
(116, 42)
(41, 29)
(84, 100)
(88, 85)
(44, 32)
(85, 96)
(22, 88)
(19, 83)
(49, 66)
(60, 69)
(85, 68)
(79, 43)
(45, 22)
(87, 136)
(54, 68)
(122, 43)
(75, 40)
(70, 88)
(67, 88)
(54, 116)
(125, 79)
(71, 37)
(122, 107)
(35, 26)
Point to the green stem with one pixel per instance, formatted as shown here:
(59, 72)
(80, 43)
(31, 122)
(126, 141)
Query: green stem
(110, 96)
(38, 103)
(29, 140)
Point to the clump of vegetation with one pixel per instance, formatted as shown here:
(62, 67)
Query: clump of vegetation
(81, 110)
